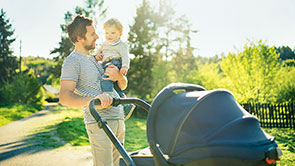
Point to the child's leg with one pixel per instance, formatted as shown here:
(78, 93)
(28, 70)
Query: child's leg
(118, 63)
(106, 85)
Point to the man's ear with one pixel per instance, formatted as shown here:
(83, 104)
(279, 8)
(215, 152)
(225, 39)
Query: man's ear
(79, 38)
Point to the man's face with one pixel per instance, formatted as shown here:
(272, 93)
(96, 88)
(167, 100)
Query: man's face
(90, 38)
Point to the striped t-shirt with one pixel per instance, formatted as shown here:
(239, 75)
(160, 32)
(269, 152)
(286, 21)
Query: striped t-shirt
(87, 73)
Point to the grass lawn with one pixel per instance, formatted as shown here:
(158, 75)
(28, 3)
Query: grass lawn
(12, 112)
(72, 130)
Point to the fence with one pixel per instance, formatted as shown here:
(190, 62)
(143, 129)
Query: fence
(273, 115)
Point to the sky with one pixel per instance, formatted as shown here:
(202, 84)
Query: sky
(223, 25)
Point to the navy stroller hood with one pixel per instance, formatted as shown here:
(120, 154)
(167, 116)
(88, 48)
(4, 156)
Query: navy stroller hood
(197, 124)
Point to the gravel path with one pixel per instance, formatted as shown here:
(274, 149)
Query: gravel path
(18, 146)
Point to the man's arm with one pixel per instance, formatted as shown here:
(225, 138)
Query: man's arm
(113, 74)
(67, 96)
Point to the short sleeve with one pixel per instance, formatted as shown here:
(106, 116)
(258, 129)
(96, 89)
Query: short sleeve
(70, 69)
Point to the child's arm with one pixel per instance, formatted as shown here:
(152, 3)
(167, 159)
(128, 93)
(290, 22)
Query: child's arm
(99, 56)
(123, 70)
(124, 53)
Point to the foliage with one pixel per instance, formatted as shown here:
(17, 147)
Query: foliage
(40, 67)
(24, 88)
(285, 86)
(12, 112)
(252, 73)
(8, 62)
(285, 52)
(208, 75)
(141, 36)
(65, 45)
(156, 37)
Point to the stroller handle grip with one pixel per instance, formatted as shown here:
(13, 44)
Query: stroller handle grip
(117, 101)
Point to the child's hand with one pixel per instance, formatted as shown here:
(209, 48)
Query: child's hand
(123, 70)
(99, 57)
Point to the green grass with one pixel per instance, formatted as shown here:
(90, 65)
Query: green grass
(135, 138)
(285, 139)
(72, 130)
(14, 112)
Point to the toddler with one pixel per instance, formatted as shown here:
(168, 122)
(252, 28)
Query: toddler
(113, 51)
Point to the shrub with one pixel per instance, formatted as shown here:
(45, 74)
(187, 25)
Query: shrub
(24, 88)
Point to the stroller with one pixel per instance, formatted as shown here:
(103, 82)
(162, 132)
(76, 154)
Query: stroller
(190, 126)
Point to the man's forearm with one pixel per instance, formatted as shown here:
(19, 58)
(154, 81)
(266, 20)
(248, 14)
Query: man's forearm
(72, 100)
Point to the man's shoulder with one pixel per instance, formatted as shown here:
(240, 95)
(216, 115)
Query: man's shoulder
(73, 57)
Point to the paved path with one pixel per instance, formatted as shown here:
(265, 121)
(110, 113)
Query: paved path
(17, 146)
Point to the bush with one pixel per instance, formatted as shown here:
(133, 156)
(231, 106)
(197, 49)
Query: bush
(24, 88)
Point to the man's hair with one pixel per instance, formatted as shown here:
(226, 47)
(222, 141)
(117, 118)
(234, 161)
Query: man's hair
(77, 27)
(113, 22)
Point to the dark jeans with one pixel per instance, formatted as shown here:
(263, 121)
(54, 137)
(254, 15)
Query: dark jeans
(108, 85)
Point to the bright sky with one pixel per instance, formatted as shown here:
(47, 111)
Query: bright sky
(223, 25)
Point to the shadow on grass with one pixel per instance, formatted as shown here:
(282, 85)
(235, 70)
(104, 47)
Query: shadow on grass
(34, 143)
(70, 130)
(73, 131)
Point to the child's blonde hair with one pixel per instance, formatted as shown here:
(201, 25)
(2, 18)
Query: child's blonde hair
(113, 22)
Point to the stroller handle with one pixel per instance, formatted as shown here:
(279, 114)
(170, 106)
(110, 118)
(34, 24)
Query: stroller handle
(103, 124)
(117, 101)
(184, 86)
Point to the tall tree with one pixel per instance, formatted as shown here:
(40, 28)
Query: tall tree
(65, 45)
(142, 36)
(8, 62)
(183, 58)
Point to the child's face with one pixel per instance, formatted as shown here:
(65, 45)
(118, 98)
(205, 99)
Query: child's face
(112, 34)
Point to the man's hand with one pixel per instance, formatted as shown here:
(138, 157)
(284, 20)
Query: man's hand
(105, 100)
(113, 73)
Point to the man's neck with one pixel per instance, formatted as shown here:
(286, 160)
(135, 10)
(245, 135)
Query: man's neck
(81, 50)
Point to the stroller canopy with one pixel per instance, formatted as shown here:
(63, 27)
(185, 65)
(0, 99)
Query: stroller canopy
(196, 124)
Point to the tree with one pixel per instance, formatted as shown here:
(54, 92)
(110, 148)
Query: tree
(285, 52)
(183, 60)
(8, 62)
(286, 85)
(141, 39)
(65, 45)
(252, 73)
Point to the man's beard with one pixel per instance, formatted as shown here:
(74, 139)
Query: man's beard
(89, 47)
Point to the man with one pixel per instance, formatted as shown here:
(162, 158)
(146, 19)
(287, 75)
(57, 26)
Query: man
(80, 83)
